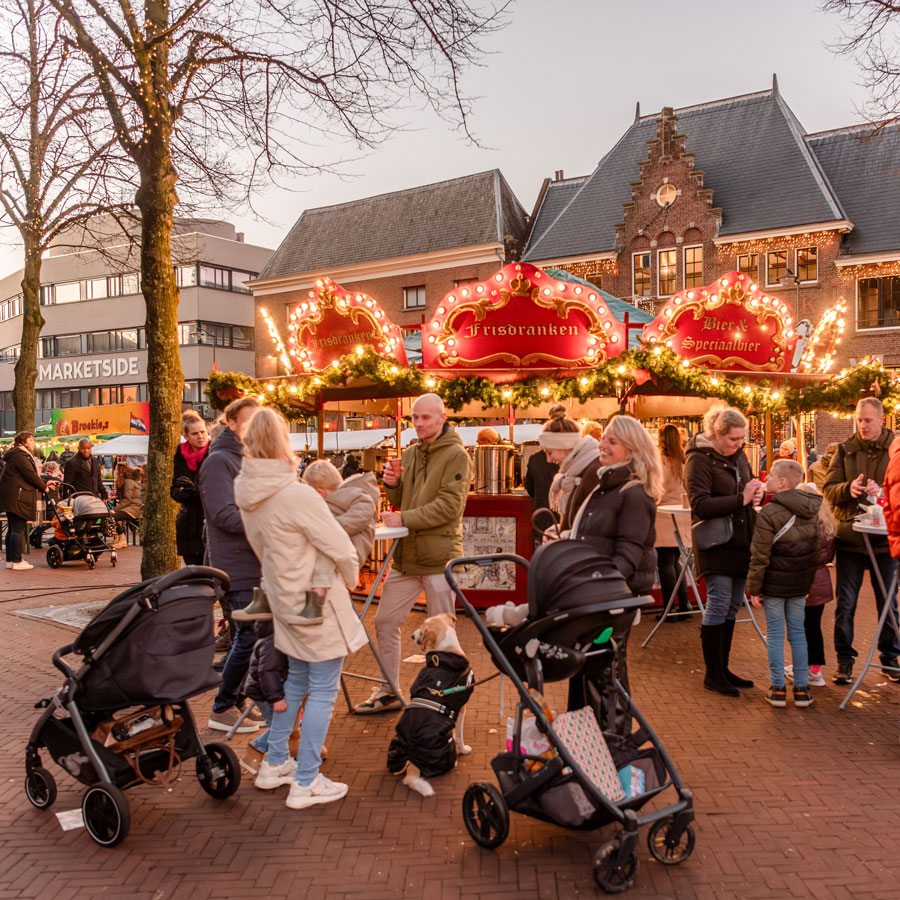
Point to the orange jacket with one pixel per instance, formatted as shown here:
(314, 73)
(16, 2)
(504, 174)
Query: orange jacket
(892, 499)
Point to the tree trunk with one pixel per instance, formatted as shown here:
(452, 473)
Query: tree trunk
(32, 323)
(156, 199)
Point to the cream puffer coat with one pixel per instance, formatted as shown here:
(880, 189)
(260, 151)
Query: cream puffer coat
(355, 506)
(286, 523)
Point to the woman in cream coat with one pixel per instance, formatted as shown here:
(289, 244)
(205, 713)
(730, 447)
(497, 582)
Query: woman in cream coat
(286, 523)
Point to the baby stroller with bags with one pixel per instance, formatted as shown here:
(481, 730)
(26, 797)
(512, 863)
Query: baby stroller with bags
(121, 718)
(595, 768)
(83, 519)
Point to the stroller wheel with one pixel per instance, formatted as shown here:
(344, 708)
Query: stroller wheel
(54, 557)
(105, 813)
(486, 815)
(609, 876)
(89, 559)
(40, 788)
(219, 774)
(661, 847)
(112, 558)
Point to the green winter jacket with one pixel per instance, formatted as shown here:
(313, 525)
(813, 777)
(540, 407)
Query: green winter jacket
(432, 496)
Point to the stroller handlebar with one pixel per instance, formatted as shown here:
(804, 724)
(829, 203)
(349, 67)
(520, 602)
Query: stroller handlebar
(58, 660)
(153, 591)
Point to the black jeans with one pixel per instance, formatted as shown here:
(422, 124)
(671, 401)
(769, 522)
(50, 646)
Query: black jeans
(815, 643)
(238, 657)
(850, 570)
(668, 564)
(15, 537)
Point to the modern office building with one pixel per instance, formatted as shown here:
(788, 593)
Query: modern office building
(93, 346)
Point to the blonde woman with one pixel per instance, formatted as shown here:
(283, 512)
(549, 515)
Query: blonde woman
(619, 516)
(720, 485)
(287, 523)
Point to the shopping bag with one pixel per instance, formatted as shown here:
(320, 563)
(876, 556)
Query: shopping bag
(580, 734)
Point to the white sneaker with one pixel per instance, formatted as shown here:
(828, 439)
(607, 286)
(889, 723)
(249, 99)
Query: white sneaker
(816, 680)
(322, 790)
(19, 566)
(271, 777)
(789, 673)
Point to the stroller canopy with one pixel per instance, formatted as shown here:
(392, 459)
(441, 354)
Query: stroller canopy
(564, 575)
(88, 506)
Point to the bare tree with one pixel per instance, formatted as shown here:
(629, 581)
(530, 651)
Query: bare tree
(55, 162)
(873, 40)
(221, 94)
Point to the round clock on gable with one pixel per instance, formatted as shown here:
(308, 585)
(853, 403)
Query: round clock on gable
(666, 194)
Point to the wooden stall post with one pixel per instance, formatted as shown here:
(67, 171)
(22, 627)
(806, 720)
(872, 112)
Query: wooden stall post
(320, 430)
(770, 446)
(398, 418)
(511, 418)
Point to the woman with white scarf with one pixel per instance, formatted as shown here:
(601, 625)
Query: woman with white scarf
(578, 459)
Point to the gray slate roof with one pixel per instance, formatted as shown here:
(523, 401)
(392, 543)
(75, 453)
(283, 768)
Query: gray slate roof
(462, 212)
(558, 196)
(865, 171)
(754, 156)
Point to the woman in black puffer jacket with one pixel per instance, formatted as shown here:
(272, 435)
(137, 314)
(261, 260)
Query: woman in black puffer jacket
(188, 458)
(720, 484)
(619, 519)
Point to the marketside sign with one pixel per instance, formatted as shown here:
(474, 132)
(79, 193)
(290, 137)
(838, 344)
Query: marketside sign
(730, 325)
(121, 418)
(521, 318)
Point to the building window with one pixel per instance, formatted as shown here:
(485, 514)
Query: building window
(67, 293)
(239, 281)
(666, 262)
(131, 283)
(808, 264)
(186, 276)
(414, 297)
(878, 302)
(640, 275)
(96, 289)
(748, 263)
(666, 195)
(211, 276)
(776, 266)
(693, 267)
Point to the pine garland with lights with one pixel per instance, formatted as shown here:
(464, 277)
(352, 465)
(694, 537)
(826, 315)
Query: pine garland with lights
(617, 377)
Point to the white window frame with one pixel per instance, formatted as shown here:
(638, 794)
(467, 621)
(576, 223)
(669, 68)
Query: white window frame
(649, 255)
(659, 290)
(875, 328)
(416, 288)
(684, 264)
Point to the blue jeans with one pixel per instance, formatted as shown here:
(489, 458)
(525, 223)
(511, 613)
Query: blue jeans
(238, 661)
(792, 609)
(319, 680)
(850, 570)
(724, 596)
(261, 741)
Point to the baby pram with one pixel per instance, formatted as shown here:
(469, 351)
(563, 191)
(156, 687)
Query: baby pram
(122, 719)
(85, 530)
(578, 603)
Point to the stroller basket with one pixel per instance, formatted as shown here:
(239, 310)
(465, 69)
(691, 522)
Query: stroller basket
(577, 629)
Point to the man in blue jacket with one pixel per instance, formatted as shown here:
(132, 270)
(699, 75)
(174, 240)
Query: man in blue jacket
(229, 551)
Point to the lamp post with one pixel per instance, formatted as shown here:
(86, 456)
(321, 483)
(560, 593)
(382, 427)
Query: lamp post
(789, 279)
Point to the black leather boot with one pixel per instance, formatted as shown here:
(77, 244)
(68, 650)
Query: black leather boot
(727, 637)
(715, 680)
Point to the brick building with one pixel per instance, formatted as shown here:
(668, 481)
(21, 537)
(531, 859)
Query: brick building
(406, 249)
(686, 195)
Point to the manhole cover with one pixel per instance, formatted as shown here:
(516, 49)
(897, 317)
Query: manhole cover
(76, 615)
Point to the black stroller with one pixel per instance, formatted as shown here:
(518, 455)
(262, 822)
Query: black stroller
(580, 612)
(122, 718)
(85, 530)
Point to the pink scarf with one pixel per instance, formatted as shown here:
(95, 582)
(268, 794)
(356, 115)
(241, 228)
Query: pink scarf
(193, 457)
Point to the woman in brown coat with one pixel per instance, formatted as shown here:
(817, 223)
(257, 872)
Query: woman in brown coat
(20, 486)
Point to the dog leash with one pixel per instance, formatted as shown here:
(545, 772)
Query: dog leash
(461, 687)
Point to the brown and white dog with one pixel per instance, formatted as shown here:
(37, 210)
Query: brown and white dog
(424, 746)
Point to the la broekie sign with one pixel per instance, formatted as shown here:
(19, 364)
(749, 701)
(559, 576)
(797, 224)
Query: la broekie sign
(332, 322)
(729, 325)
(521, 318)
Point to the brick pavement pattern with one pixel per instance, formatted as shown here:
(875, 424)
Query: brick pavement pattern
(790, 803)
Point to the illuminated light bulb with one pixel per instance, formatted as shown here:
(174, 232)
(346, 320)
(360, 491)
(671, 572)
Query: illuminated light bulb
(754, 303)
(319, 283)
(293, 317)
(592, 297)
(442, 347)
(592, 352)
(465, 292)
(498, 277)
(714, 297)
(615, 339)
(359, 349)
(667, 312)
(747, 389)
(431, 382)
(369, 304)
(618, 383)
(293, 388)
(790, 332)
(479, 288)
(270, 387)
(677, 300)
(579, 290)
(394, 370)
(431, 338)
(753, 287)
(685, 363)
(724, 282)
(304, 306)
(545, 391)
(775, 395)
(441, 310)
(507, 394)
(607, 325)
(657, 351)
(715, 382)
(560, 286)
(547, 292)
(452, 342)
(435, 325)
(668, 343)
(335, 363)
(601, 310)
(592, 341)
(263, 311)
(317, 380)
(690, 295)
(788, 320)
(584, 382)
(737, 335)
(621, 370)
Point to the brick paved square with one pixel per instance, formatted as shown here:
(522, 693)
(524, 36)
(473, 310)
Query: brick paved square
(790, 803)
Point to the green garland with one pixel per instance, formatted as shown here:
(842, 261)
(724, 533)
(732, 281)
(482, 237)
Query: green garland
(616, 377)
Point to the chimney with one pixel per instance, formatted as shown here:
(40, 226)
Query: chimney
(239, 237)
(665, 130)
(558, 175)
